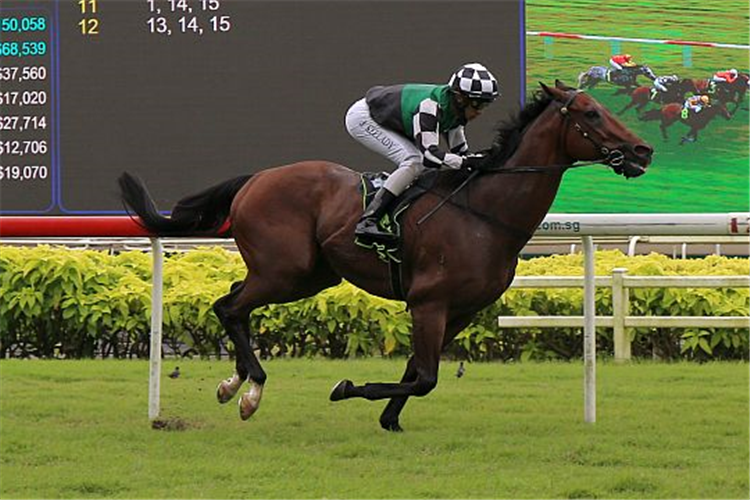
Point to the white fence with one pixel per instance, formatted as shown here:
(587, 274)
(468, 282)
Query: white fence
(621, 320)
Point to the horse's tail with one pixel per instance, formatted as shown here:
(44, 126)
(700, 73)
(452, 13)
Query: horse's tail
(200, 214)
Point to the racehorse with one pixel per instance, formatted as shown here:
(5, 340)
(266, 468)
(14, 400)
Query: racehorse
(294, 228)
(673, 112)
(641, 96)
(731, 92)
(627, 77)
(725, 92)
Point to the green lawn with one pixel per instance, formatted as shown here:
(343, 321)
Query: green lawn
(79, 429)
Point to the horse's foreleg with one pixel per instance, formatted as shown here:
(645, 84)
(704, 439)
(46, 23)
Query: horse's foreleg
(691, 136)
(663, 128)
(389, 417)
(627, 107)
(427, 334)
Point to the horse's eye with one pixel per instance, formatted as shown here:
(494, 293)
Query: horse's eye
(591, 114)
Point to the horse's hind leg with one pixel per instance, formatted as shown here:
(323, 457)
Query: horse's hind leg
(277, 286)
(236, 324)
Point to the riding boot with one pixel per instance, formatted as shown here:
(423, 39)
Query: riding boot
(368, 224)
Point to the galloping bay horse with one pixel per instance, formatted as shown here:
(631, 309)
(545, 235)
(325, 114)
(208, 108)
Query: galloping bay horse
(672, 113)
(294, 227)
(640, 97)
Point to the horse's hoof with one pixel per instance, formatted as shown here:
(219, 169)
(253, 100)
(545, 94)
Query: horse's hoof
(391, 426)
(227, 389)
(339, 390)
(250, 401)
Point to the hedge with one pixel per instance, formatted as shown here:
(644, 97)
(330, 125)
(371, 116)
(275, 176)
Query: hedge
(59, 302)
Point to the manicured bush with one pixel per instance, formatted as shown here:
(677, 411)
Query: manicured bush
(58, 302)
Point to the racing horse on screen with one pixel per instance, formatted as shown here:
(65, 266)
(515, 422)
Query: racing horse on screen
(294, 227)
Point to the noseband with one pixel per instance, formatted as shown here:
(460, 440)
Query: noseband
(611, 157)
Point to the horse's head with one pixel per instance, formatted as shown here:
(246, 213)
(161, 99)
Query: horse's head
(647, 72)
(600, 135)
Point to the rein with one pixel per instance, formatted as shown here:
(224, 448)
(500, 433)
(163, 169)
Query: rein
(612, 158)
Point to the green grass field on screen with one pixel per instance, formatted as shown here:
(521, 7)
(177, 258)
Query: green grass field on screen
(708, 176)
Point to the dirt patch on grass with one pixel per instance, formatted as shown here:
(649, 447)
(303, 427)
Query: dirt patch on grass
(172, 424)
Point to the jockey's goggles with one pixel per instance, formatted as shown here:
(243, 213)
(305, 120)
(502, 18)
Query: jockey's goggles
(479, 104)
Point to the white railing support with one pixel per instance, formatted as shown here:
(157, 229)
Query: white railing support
(620, 309)
(154, 379)
(631, 245)
(589, 330)
(620, 320)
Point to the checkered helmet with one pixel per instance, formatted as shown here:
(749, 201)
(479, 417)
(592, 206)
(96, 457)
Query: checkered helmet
(475, 82)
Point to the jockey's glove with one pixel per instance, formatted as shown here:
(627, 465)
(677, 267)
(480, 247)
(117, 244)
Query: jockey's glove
(474, 161)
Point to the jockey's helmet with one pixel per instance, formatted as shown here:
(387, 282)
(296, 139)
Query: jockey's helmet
(704, 99)
(475, 82)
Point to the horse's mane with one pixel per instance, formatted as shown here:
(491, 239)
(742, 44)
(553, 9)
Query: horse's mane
(510, 131)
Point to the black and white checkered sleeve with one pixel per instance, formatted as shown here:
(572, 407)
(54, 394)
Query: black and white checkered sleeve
(427, 137)
(457, 141)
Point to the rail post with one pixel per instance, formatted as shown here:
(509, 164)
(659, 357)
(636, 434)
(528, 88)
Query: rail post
(154, 379)
(589, 331)
(620, 309)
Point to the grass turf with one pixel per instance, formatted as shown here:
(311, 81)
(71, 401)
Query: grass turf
(79, 429)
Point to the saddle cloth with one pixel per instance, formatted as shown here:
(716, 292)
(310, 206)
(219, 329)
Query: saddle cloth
(390, 221)
(390, 252)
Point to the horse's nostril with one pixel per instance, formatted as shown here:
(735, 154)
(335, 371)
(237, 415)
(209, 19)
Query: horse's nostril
(643, 150)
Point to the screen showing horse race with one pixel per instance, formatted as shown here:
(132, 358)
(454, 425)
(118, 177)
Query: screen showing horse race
(188, 93)
(679, 84)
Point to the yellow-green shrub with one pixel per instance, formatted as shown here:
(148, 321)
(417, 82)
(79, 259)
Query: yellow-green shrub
(62, 302)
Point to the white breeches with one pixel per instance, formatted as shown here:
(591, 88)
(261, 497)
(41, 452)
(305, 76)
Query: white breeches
(393, 146)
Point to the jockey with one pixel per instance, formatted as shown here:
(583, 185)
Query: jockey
(621, 61)
(405, 122)
(695, 104)
(728, 76)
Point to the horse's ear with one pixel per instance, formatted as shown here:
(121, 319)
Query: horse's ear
(560, 85)
(553, 92)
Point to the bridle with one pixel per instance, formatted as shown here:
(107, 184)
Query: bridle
(611, 157)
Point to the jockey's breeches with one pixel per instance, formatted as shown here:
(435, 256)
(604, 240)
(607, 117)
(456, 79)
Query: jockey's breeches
(392, 145)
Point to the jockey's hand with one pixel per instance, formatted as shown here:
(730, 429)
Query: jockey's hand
(474, 161)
